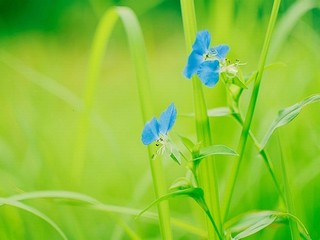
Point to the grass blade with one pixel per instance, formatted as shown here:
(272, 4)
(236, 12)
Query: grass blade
(286, 115)
(17, 204)
(250, 223)
(207, 170)
(288, 21)
(96, 204)
(101, 38)
(256, 227)
(250, 112)
(41, 80)
(138, 53)
(287, 190)
(215, 150)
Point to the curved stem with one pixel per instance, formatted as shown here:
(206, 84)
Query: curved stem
(138, 53)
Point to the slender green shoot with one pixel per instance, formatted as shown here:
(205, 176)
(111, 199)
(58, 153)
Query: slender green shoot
(138, 53)
(68, 197)
(247, 123)
(288, 195)
(263, 153)
(101, 37)
(207, 170)
(22, 206)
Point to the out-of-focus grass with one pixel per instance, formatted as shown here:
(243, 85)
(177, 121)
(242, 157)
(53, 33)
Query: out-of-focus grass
(37, 127)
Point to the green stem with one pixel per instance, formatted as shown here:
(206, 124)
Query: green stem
(288, 195)
(207, 169)
(247, 123)
(264, 155)
(138, 54)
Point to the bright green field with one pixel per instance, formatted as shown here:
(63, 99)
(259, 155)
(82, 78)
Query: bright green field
(44, 55)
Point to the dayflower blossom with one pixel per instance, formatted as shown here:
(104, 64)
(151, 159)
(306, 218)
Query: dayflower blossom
(205, 61)
(157, 130)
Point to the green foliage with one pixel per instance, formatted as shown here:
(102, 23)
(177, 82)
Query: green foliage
(50, 138)
(183, 190)
(214, 150)
(286, 115)
(33, 211)
(250, 223)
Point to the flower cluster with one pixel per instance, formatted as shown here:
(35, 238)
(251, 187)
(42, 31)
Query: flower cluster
(205, 61)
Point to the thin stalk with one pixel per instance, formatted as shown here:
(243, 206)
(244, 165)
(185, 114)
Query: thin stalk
(264, 156)
(138, 54)
(247, 123)
(288, 196)
(207, 169)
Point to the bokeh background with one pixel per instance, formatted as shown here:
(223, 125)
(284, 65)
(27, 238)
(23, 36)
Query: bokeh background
(44, 51)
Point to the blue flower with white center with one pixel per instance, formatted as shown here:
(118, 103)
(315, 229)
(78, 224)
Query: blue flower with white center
(157, 130)
(205, 61)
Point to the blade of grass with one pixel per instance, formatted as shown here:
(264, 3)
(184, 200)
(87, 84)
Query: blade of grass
(288, 195)
(263, 153)
(41, 80)
(62, 195)
(207, 170)
(287, 23)
(127, 229)
(250, 223)
(96, 204)
(103, 33)
(138, 53)
(52, 86)
(247, 123)
(288, 114)
(17, 204)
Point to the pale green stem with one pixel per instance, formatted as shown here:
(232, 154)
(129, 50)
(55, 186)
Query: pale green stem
(288, 196)
(264, 155)
(207, 169)
(247, 123)
(138, 53)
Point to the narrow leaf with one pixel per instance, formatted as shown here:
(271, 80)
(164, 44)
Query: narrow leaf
(286, 115)
(256, 227)
(17, 204)
(186, 142)
(214, 112)
(253, 76)
(195, 193)
(302, 229)
(176, 158)
(97, 205)
(236, 81)
(191, 192)
(250, 223)
(181, 184)
(215, 150)
(219, 112)
(244, 221)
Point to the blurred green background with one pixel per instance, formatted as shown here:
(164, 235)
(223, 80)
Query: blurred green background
(44, 51)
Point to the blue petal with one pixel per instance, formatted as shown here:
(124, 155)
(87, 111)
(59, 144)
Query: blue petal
(220, 51)
(209, 73)
(202, 42)
(150, 132)
(167, 119)
(194, 61)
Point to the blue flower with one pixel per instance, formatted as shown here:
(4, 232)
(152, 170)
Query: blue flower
(156, 130)
(205, 61)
